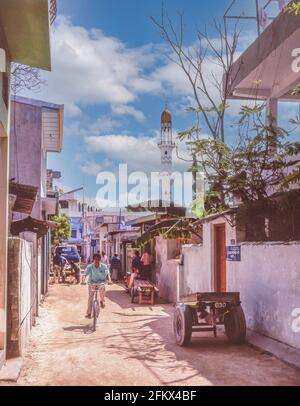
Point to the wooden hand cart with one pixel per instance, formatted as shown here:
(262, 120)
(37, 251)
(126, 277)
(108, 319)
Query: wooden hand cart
(202, 312)
(145, 292)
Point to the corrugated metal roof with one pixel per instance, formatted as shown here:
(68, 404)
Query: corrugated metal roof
(26, 196)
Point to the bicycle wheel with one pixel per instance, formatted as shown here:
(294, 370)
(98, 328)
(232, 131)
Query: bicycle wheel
(96, 312)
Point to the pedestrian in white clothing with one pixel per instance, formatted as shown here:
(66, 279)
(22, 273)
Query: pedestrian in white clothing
(104, 259)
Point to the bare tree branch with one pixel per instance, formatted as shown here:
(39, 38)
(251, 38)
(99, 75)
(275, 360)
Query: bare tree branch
(207, 87)
(25, 78)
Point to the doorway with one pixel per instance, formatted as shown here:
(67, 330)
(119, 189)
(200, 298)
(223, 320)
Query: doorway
(220, 258)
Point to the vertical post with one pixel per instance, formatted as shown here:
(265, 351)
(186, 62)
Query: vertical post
(272, 119)
(257, 17)
(272, 111)
(57, 203)
(4, 189)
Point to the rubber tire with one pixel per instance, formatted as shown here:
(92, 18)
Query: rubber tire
(235, 326)
(96, 312)
(183, 315)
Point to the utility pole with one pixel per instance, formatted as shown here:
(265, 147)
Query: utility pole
(244, 17)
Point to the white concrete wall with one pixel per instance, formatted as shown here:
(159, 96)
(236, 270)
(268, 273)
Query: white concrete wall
(197, 275)
(268, 278)
(25, 290)
(4, 190)
(269, 281)
(20, 275)
(166, 268)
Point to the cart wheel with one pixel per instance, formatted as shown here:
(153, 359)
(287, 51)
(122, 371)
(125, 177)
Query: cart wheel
(183, 320)
(235, 325)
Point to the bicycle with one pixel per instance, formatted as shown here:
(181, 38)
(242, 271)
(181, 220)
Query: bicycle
(96, 305)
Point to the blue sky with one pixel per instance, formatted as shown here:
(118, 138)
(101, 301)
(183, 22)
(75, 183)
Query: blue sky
(111, 72)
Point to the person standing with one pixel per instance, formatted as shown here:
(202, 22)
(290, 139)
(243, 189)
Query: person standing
(59, 262)
(147, 265)
(97, 273)
(115, 268)
(137, 263)
(104, 258)
(136, 268)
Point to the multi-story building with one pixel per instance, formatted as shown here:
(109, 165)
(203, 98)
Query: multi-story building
(83, 222)
(36, 131)
(24, 39)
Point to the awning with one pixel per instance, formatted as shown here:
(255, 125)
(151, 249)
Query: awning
(215, 216)
(182, 228)
(270, 67)
(146, 219)
(39, 227)
(26, 197)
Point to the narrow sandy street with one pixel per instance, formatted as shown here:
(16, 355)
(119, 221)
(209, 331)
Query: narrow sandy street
(134, 346)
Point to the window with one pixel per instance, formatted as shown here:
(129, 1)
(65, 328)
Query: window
(74, 234)
(64, 204)
(68, 250)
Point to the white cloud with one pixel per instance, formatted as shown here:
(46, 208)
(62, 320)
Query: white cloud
(103, 124)
(140, 153)
(91, 68)
(129, 110)
(75, 129)
(92, 168)
(72, 110)
(172, 78)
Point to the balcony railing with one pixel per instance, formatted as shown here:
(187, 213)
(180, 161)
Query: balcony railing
(52, 10)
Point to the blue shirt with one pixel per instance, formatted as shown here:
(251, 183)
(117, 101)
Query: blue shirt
(97, 275)
(59, 260)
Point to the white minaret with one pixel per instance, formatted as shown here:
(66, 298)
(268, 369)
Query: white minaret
(166, 146)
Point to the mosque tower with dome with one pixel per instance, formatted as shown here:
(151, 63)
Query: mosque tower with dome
(166, 146)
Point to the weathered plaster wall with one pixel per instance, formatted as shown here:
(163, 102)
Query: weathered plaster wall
(197, 275)
(269, 281)
(166, 268)
(4, 186)
(20, 265)
(26, 148)
(268, 278)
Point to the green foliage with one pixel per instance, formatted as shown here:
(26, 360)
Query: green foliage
(247, 111)
(218, 109)
(188, 135)
(63, 231)
(258, 164)
(296, 90)
(292, 178)
(294, 8)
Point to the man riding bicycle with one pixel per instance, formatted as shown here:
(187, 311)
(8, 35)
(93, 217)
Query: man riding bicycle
(97, 273)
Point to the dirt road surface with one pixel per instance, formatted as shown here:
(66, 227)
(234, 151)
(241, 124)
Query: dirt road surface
(134, 345)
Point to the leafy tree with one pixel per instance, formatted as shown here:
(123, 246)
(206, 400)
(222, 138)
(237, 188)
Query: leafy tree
(63, 231)
(263, 162)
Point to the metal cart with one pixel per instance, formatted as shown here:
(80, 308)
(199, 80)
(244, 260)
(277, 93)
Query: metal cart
(203, 312)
